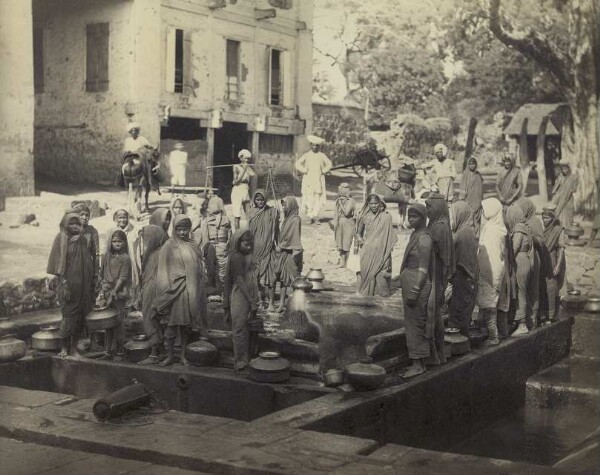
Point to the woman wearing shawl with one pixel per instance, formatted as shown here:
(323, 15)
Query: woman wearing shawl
(554, 238)
(416, 277)
(510, 183)
(464, 281)
(471, 190)
(116, 283)
(71, 262)
(263, 222)
(216, 230)
(443, 254)
(290, 247)
(562, 194)
(161, 217)
(541, 261)
(376, 238)
(177, 206)
(122, 222)
(490, 259)
(180, 299)
(152, 238)
(523, 252)
(241, 294)
(343, 222)
(92, 238)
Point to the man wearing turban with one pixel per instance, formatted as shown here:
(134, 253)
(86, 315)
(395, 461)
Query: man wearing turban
(313, 166)
(444, 171)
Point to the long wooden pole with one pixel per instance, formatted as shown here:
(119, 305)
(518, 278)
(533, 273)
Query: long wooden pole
(540, 159)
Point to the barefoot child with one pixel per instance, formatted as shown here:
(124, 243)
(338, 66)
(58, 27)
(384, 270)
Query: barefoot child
(241, 294)
(123, 223)
(344, 222)
(71, 262)
(180, 282)
(290, 247)
(92, 238)
(116, 283)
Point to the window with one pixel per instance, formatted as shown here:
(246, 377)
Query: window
(275, 78)
(233, 70)
(179, 61)
(38, 60)
(272, 143)
(96, 66)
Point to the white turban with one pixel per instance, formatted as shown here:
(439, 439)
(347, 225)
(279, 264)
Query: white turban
(313, 139)
(442, 148)
(132, 125)
(244, 153)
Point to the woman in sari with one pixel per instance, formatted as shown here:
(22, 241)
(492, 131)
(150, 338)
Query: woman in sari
(562, 194)
(444, 265)
(161, 217)
(263, 222)
(523, 253)
(541, 259)
(289, 265)
(554, 238)
(464, 281)
(152, 238)
(216, 230)
(490, 259)
(241, 296)
(471, 190)
(177, 206)
(122, 222)
(416, 279)
(343, 222)
(180, 280)
(71, 262)
(376, 238)
(510, 183)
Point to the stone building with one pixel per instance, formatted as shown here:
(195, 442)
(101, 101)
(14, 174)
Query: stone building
(219, 75)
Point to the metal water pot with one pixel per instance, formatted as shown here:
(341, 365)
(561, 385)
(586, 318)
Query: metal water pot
(269, 367)
(11, 349)
(201, 353)
(365, 376)
(302, 283)
(47, 339)
(137, 349)
(104, 319)
(592, 305)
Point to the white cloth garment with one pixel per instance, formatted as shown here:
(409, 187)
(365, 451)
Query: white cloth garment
(178, 164)
(313, 166)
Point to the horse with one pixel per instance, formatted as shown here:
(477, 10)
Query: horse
(138, 170)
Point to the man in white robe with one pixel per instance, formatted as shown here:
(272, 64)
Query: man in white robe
(313, 166)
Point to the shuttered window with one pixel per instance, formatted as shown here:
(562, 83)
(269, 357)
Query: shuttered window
(178, 69)
(272, 143)
(96, 71)
(276, 78)
(232, 72)
(38, 60)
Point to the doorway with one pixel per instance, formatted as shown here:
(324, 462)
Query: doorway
(229, 140)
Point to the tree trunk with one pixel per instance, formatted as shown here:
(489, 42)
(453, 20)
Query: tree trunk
(579, 147)
(540, 160)
(470, 140)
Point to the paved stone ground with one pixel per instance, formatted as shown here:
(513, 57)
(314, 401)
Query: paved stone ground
(23, 458)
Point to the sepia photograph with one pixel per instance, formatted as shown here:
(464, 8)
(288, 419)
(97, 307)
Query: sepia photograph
(281, 237)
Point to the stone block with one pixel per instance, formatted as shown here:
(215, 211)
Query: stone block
(96, 210)
(292, 349)
(386, 345)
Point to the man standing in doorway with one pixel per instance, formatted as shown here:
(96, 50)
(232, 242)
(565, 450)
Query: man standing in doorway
(178, 162)
(313, 166)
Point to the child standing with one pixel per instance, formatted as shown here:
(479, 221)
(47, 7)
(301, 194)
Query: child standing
(241, 294)
(290, 247)
(123, 223)
(343, 224)
(116, 282)
(90, 233)
(71, 262)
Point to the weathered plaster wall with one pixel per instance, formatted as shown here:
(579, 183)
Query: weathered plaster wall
(79, 134)
(16, 98)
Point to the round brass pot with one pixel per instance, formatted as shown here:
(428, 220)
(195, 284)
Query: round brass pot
(269, 367)
(202, 353)
(592, 305)
(102, 319)
(365, 376)
(137, 349)
(47, 339)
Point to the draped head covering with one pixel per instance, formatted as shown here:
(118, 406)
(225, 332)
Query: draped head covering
(533, 221)
(109, 254)
(420, 209)
(553, 231)
(259, 191)
(471, 184)
(161, 217)
(515, 220)
(183, 205)
(153, 237)
(462, 215)
(129, 226)
(179, 220)
(290, 237)
(441, 233)
(233, 247)
(492, 243)
(79, 207)
(57, 261)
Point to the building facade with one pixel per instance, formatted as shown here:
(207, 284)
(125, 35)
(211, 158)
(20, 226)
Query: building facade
(217, 75)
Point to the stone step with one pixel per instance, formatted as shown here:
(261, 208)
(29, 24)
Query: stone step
(572, 382)
(586, 335)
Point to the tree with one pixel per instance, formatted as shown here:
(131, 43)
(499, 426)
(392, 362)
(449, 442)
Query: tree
(565, 44)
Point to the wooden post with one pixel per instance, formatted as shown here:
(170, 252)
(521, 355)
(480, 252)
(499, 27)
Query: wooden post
(540, 160)
(524, 155)
(253, 185)
(210, 156)
(470, 140)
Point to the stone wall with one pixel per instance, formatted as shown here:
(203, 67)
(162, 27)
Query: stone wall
(343, 128)
(583, 269)
(29, 295)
